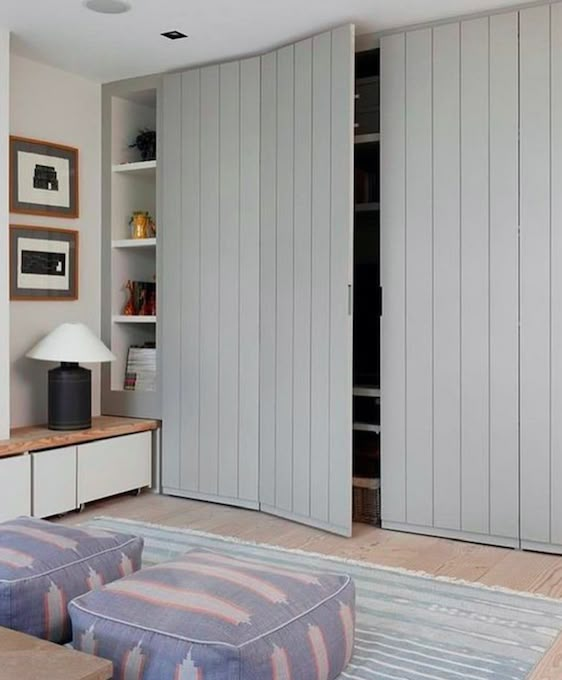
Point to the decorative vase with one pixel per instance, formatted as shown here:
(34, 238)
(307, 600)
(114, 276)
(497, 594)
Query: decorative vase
(140, 225)
(129, 309)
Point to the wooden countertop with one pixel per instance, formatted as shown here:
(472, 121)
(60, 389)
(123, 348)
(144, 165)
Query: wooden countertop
(24, 439)
(28, 658)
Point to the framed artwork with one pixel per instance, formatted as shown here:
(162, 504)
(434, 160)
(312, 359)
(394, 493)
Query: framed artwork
(43, 178)
(43, 263)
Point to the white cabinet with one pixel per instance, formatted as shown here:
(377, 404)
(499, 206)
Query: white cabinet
(54, 481)
(111, 466)
(15, 489)
(257, 206)
(449, 263)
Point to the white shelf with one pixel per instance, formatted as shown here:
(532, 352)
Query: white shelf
(134, 243)
(122, 318)
(367, 207)
(368, 139)
(367, 427)
(141, 167)
(366, 391)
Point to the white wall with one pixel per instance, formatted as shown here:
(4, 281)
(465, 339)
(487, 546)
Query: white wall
(4, 305)
(49, 104)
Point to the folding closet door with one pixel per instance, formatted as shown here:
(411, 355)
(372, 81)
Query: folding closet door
(541, 278)
(211, 130)
(449, 269)
(306, 274)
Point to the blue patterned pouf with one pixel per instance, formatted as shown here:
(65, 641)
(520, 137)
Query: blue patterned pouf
(207, 616)
(44, 565)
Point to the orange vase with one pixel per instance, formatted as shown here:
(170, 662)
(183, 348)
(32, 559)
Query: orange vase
(129, 309)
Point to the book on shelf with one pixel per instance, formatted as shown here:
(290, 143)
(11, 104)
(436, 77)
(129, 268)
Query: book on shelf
(140, 374)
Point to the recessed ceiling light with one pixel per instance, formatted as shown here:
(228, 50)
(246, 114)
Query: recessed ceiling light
(107, 6)
(174, 35)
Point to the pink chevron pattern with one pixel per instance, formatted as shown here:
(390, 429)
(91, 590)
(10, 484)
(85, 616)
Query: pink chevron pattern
(133, 664)
(44, 536)
(88, 643)
(94, 580)
(15, 558)
(125, 566)
(319, 652)
(280, 669)
(348, 624)
(187, 670)
(179, 598)
(244, 580)
(309, 579)
(54, 613)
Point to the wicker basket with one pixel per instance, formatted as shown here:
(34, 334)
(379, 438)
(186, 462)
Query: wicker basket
(366, 500)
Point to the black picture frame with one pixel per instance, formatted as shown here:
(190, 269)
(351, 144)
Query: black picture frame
(55, 170)
(55, 258)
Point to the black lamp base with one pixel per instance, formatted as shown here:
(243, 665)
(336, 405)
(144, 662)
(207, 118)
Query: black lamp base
(70, 397)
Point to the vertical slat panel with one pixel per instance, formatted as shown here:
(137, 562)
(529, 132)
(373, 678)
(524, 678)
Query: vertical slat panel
(504, 277)
(556, 273)
(213, 243)
(268, 277)
(190, 282)
(320, 317)
(419, 280)
(249, 278)
(209, 294)
(446, 253)
(229, 242)
(170, 301)
(285, 283)
(341, 328)
(302, 292)
(393, 277)
(475, 430)
(535, 273)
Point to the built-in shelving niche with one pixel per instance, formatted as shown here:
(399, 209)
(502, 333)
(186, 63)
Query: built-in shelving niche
(130, 185)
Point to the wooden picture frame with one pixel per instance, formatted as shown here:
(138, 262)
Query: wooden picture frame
(47, 272)
(43, 178)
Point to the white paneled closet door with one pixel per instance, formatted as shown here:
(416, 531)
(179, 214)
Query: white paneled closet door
(211, 130)
(306, 272)
(449, 268)
(541, 278)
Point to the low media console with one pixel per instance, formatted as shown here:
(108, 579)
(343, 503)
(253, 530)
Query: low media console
(45, 473)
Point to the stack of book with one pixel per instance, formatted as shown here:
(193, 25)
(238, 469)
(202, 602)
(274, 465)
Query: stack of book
(140, 375)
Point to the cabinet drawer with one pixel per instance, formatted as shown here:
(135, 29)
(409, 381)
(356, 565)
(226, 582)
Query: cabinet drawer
(112, 466)
(54, 481)
(15, 487)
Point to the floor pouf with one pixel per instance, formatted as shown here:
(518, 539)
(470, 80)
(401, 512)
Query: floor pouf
(44, 565)
(208, 616)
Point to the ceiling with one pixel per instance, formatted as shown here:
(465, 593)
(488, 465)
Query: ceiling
(110, 47)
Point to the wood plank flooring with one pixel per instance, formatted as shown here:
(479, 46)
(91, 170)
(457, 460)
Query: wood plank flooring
(523, 571)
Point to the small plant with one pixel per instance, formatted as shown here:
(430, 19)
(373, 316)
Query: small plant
(145, 142)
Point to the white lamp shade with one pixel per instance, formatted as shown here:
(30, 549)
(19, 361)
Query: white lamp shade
(71, 343)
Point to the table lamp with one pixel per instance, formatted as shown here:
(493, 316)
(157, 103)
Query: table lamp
(70, 385)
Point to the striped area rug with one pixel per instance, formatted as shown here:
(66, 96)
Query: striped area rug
(409, 626)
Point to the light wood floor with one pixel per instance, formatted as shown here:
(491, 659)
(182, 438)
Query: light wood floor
(523, 571)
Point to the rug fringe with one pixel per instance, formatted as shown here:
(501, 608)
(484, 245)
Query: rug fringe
(334, 558)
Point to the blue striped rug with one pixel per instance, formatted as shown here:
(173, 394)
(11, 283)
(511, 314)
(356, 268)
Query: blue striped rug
(409, 626)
